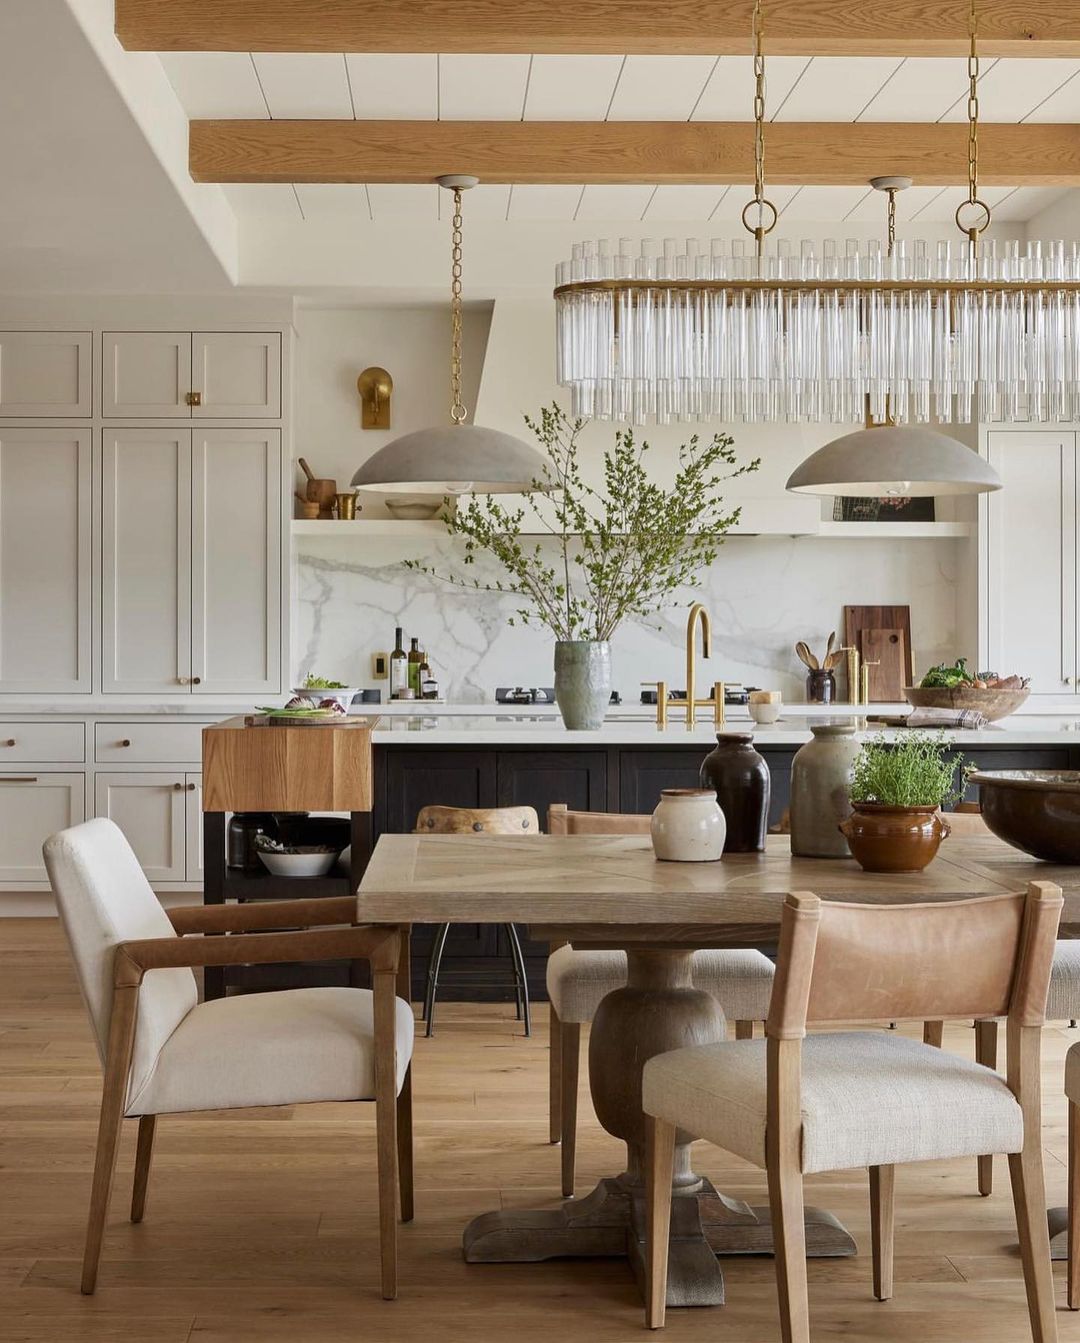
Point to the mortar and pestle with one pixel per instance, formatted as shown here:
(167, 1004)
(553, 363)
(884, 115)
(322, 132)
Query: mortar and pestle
(320, 490)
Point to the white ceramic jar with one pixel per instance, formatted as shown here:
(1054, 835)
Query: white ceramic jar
(688, 826)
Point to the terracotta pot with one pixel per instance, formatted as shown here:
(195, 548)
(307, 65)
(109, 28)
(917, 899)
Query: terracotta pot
(894, 839)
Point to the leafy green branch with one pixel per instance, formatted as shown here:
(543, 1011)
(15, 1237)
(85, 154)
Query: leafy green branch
(620, 554)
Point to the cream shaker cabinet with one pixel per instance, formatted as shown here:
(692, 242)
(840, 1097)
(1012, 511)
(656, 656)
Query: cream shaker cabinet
(33, 805)
(191, 561)
(1030, 559)
(151, 810)
(45, 560)
(184, 375)
(45, 374)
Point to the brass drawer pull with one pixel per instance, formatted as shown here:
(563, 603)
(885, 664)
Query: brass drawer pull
(27, 778)
(10, 741)
(126, 741)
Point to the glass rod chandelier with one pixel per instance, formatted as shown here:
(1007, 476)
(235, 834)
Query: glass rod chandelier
(901, 334)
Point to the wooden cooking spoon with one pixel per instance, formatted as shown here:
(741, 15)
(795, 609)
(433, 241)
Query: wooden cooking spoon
(806, 657)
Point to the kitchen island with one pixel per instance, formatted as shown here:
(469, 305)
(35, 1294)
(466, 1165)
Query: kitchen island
(529, 759)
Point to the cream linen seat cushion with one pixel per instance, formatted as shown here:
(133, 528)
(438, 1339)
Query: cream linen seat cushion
(1063, 1000)
(1072, 1074)
(869, 1098)
(271, 1049)
(741, 981)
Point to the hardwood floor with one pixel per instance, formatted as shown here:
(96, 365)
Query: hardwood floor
(264, 1225)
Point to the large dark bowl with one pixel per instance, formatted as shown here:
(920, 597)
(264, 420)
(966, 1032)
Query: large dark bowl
(1037, 810)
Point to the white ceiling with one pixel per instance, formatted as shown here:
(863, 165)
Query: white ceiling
(617, 88)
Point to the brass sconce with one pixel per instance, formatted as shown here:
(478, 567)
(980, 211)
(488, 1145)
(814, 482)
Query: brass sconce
(375, 386)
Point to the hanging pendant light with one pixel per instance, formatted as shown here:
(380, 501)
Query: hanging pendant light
(947, 334)
(888, 460)
(456, 458)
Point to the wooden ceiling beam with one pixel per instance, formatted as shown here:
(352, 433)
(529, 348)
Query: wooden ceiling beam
(797, 153)
(671, 27)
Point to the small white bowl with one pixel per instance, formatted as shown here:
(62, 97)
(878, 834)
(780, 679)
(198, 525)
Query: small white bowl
(343, 697)
(413, 510)
(310, 864)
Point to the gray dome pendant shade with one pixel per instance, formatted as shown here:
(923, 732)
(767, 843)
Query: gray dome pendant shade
(455, 458)
(906, 461)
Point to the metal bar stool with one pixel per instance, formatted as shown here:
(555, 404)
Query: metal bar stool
(481, 821)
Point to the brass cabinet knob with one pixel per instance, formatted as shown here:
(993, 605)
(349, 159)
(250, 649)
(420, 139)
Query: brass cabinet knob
(181, 680)
(196, 680)
(194, 398)
(191, 787)
(10, 741)
(178, 787)
(126, 741)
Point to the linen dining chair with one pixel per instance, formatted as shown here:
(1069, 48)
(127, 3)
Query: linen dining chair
(1062, 1002)
(577, 981)
(799, 1104)
(438, 820)
(164, 1052)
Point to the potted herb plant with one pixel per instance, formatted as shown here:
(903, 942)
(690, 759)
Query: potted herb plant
(898, 789)
(602, 556)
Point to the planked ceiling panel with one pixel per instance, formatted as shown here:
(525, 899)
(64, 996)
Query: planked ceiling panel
(614, 202)
(871, 209)
(823, 202)
(295, 85)
(1063, 104)
(263, 200)
(660, 88)
(394, 87)
(571, 88)
(729, 94)
(543, 202)
(730, 208)
(684, 202)
(215, 83)
(1010, 89)
(922, 88)
(833, 89)
(486, 201)
(1026, 202)
(334, 200)
(482, 88)
(405, 200)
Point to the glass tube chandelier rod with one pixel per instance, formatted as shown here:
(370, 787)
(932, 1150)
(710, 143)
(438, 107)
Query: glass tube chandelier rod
(757, 330)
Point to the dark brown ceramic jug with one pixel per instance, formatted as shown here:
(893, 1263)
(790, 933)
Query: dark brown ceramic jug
(740, 778)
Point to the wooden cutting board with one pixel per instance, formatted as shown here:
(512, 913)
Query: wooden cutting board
(882, 634)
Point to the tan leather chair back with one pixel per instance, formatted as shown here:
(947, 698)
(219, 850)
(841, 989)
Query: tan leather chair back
(562, 821)
(979, 958)
(478, 820)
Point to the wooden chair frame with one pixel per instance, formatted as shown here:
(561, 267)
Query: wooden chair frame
(1020, 996)
(564, 1047)
(255, 934)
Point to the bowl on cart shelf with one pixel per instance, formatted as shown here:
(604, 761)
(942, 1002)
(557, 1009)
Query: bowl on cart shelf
(309, 860)
(1036, 810)
(993, 704)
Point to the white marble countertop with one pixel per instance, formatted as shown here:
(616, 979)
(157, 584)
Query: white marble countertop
(791, 730)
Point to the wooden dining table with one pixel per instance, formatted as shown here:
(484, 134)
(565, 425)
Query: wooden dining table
(610, 892)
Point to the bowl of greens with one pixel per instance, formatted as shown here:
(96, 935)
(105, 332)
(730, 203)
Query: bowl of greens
(318, 692)
(955, 687)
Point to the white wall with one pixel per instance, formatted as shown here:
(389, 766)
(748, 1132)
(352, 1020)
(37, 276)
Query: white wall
(412, 344)
(764, 592)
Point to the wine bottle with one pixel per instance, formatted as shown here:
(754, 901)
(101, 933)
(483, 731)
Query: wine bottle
(415, 659)
(423, 675)
(399, 667)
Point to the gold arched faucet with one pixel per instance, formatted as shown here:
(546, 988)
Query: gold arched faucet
(699, 615)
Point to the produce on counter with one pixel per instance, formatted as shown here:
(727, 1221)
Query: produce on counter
(313, 682)
(944, 677)
(298, 708)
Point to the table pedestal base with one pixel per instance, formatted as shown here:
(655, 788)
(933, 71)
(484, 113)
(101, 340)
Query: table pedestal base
(610, 1223)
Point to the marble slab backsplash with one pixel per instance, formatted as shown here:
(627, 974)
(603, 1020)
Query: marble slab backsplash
(763, 593)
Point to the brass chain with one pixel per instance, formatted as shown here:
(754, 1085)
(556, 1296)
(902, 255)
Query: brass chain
(759, 203)
(891, 192)
(457, 409)
(976, 223)
(759, 104)
(973, 107)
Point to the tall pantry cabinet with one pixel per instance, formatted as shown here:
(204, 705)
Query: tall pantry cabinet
(142, 517)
